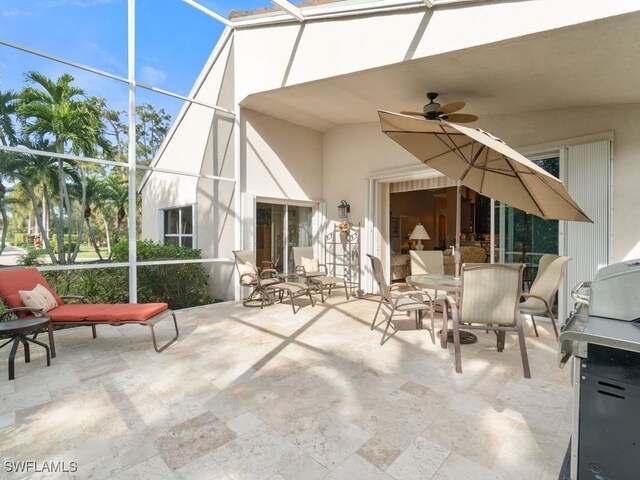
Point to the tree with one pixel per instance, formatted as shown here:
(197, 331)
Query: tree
(7, 137)
(60, 111)
(151, 128)
(116, 191)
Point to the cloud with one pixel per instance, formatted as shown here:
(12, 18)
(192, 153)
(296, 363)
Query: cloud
(16, 12)
(152, 76)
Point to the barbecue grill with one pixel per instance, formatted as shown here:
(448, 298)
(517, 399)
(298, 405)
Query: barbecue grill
(602, 336)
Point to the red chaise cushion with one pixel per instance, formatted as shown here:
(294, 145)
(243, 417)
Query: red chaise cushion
(104, 312)
(26, 278)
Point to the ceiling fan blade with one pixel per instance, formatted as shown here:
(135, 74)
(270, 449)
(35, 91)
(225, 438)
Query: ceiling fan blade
(413, 114)
(459, 118)
(451, 107)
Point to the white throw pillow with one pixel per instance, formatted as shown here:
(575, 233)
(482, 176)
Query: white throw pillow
(39, 297)
(248, 273)
(310, 265)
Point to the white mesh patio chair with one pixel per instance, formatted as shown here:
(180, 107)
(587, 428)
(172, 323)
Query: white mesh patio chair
(542, 294)
(402, 302)
(428, 261)
(489, 301)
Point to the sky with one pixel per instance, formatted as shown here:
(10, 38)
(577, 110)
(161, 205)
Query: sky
(173, 42)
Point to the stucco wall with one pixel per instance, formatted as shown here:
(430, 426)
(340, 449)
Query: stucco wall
(280, 160)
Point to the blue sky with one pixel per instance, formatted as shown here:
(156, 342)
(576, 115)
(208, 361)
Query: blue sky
(174, 41)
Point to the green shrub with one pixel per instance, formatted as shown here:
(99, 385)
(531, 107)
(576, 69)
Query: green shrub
(181, 286)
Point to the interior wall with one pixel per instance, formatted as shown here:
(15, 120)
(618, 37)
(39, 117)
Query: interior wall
(419, 204)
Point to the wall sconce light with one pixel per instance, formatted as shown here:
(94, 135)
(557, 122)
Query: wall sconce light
(343, 209)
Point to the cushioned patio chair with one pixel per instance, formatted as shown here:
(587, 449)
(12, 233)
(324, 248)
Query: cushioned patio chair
(315, 272)
(489, 301)
(258, 280)
(428, 261)
(542, 294)
(402, 301)
(19, 284)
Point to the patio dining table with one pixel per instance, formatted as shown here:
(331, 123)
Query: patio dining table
(447, 283)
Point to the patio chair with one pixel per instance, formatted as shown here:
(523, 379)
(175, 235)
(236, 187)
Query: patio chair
(258, 280)
(489, 301)
(315, 272)
(19, 283)
(428, 261)
(405, 301)
(542, 294)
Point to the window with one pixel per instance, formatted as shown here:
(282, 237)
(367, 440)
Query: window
(178, 226)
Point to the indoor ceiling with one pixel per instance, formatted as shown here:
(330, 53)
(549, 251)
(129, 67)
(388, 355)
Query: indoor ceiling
(586, 65)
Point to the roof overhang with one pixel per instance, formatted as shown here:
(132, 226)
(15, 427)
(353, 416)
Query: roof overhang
(583, 65)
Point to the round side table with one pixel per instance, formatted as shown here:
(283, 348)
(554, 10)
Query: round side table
(18, 330)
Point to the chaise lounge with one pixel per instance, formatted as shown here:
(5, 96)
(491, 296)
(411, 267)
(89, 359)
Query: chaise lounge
(14, 281)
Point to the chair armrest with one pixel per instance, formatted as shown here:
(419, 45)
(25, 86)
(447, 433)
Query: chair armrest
(323, 266)
(395, 286)
(81, 298)
(453, 304)
(13, 311)
(268, 273)
(530, 295)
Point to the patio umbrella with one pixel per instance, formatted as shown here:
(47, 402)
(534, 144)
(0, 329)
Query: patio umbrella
(483, 163)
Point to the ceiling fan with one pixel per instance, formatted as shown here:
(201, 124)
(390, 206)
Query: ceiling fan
(435, 111)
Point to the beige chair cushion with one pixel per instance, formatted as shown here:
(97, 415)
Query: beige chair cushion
(39, 297)
(248, 273)
(310, 265)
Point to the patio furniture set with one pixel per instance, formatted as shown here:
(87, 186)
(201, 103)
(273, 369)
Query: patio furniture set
(267, 284)
(484, 297)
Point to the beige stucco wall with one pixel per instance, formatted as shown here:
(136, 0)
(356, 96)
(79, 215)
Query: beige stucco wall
(201, 143)
(280, 160)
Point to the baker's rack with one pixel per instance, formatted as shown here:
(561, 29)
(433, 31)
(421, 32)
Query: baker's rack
(343, 249)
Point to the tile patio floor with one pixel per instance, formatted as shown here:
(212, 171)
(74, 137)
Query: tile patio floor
(265, 394)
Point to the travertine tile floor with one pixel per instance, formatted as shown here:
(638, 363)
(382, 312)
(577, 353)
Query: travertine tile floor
(265, 394)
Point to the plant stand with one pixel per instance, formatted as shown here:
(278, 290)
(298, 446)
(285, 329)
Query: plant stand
(344, 257)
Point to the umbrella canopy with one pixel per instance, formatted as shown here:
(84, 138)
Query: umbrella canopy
(484, 163)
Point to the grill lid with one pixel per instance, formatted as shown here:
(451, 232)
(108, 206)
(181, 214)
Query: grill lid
(615, 292)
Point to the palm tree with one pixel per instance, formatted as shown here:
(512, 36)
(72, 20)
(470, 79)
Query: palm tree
(60, 111)
(116, 191)
(7, 110)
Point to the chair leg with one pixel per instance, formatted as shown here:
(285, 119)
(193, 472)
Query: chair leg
(456, 346)
(535, 328)
(52, 344)
(310, 296)
(500, 337)
(93, 331)
(373, 323)
(386, 328)
(523, 351)
(170, 342)
(553, 322)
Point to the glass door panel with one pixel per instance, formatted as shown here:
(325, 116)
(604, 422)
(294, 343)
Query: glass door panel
(279, 228)
(299, 232)
(524, 238)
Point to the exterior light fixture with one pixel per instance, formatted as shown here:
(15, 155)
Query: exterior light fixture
(419, 233)
(343, 209)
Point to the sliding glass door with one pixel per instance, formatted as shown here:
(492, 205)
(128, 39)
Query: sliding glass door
(524, 238)
(279, 228)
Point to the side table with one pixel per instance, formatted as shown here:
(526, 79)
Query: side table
(18, 330)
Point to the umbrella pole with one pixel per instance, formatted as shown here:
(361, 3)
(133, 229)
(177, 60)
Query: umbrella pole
(456, 255)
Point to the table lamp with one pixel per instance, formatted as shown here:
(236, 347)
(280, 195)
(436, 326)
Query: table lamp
(419, 233)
